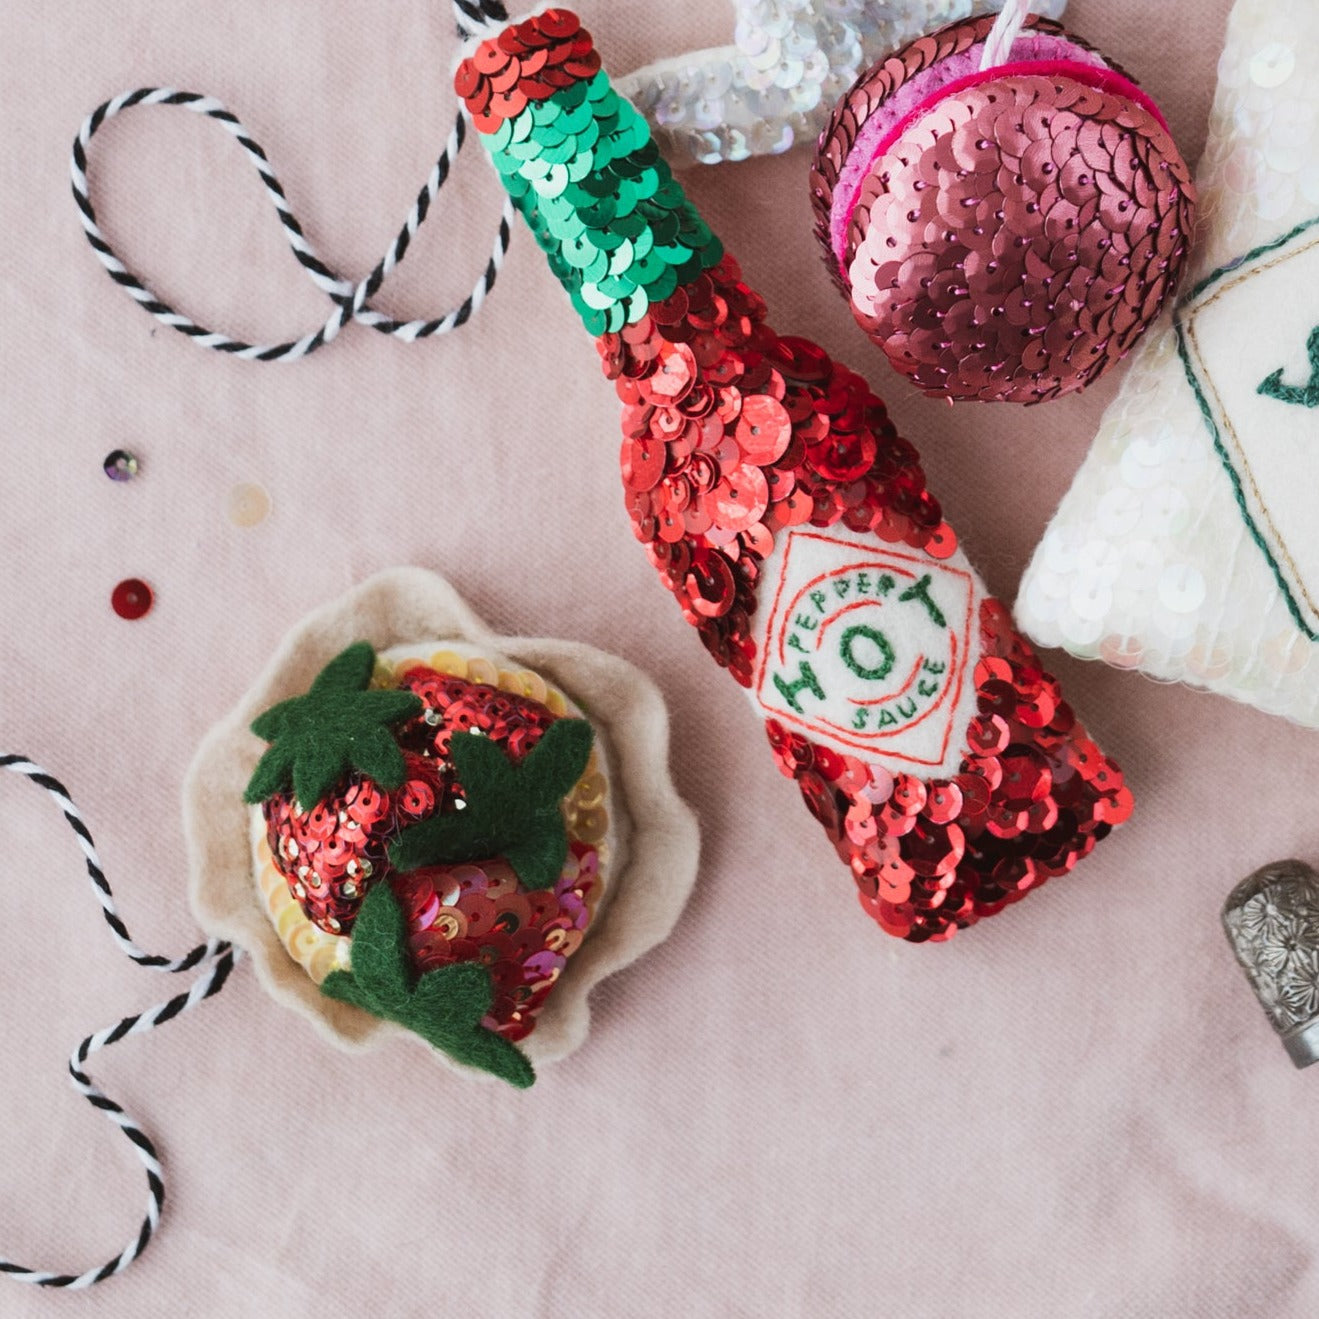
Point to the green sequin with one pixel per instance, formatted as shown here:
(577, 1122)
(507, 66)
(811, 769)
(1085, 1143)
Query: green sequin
(615, 225)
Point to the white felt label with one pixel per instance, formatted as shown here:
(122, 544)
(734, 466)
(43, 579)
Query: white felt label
(1251, 343)
(869, 648)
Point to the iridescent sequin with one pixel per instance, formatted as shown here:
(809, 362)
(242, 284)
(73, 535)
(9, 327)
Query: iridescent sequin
(732, 434)
(120, 465)
(1015, 238)
(580, 165)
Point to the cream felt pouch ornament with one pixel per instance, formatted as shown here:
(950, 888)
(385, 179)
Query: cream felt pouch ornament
(415, 827)
(1187, 546)
(792, 523)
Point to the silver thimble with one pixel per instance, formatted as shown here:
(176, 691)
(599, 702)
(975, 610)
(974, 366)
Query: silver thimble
(1272, 922)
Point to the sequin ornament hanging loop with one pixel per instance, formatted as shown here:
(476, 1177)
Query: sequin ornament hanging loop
(792, 523)
(1003, 208)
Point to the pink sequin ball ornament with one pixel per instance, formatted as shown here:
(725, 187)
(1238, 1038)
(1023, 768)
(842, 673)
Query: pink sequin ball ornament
(1004, 233)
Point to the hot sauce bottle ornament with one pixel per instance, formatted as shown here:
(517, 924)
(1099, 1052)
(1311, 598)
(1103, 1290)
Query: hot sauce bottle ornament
(792, 523)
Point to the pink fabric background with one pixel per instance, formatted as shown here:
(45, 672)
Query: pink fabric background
(1076, 1109)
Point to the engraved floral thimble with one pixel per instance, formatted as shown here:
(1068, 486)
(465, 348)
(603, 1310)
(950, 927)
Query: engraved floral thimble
(1272, 921)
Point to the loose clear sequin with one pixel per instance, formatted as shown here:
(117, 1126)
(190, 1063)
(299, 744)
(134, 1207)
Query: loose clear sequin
(247, 505)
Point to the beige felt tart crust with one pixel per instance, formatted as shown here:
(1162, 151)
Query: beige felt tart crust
(651, 847)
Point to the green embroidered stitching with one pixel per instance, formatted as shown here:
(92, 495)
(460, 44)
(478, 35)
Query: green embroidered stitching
(1256, 535)
(1307, 395)
(805, 681)
(1205, 411)
(881, 644)
(1237, 262)
(921, 591)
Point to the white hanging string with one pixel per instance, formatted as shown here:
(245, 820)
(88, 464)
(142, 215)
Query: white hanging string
(1007, 28)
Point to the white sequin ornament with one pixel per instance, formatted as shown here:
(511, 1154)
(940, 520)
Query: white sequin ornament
(1197, 494)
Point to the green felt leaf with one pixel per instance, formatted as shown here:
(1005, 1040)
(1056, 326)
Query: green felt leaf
(477, 758)
(447, 1009)
(491, 1053)
(339, 726)
(559, 759)
(341, 986)
(538, 859)
(445, 1006)
(271, 724)
(513, 811)
(380, 950)
(349, 671)
(459, 994)
(273, 772)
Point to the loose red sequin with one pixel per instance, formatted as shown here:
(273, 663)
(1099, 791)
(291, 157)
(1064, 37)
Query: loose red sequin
(132, 598)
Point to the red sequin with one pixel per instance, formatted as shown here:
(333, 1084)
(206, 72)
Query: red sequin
(785, 437)
(1018, 232)
(132, 598)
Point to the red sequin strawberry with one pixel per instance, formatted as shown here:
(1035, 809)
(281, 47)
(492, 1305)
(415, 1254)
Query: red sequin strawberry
(451, 792)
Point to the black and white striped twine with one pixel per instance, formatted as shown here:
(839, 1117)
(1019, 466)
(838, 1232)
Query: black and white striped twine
(215, 956)
(352, 303)
(351, 300)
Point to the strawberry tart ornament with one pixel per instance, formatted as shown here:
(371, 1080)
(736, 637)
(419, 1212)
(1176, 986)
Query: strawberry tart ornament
(1003, 208)
(792, 523)
(430, 834)
(420, 819)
